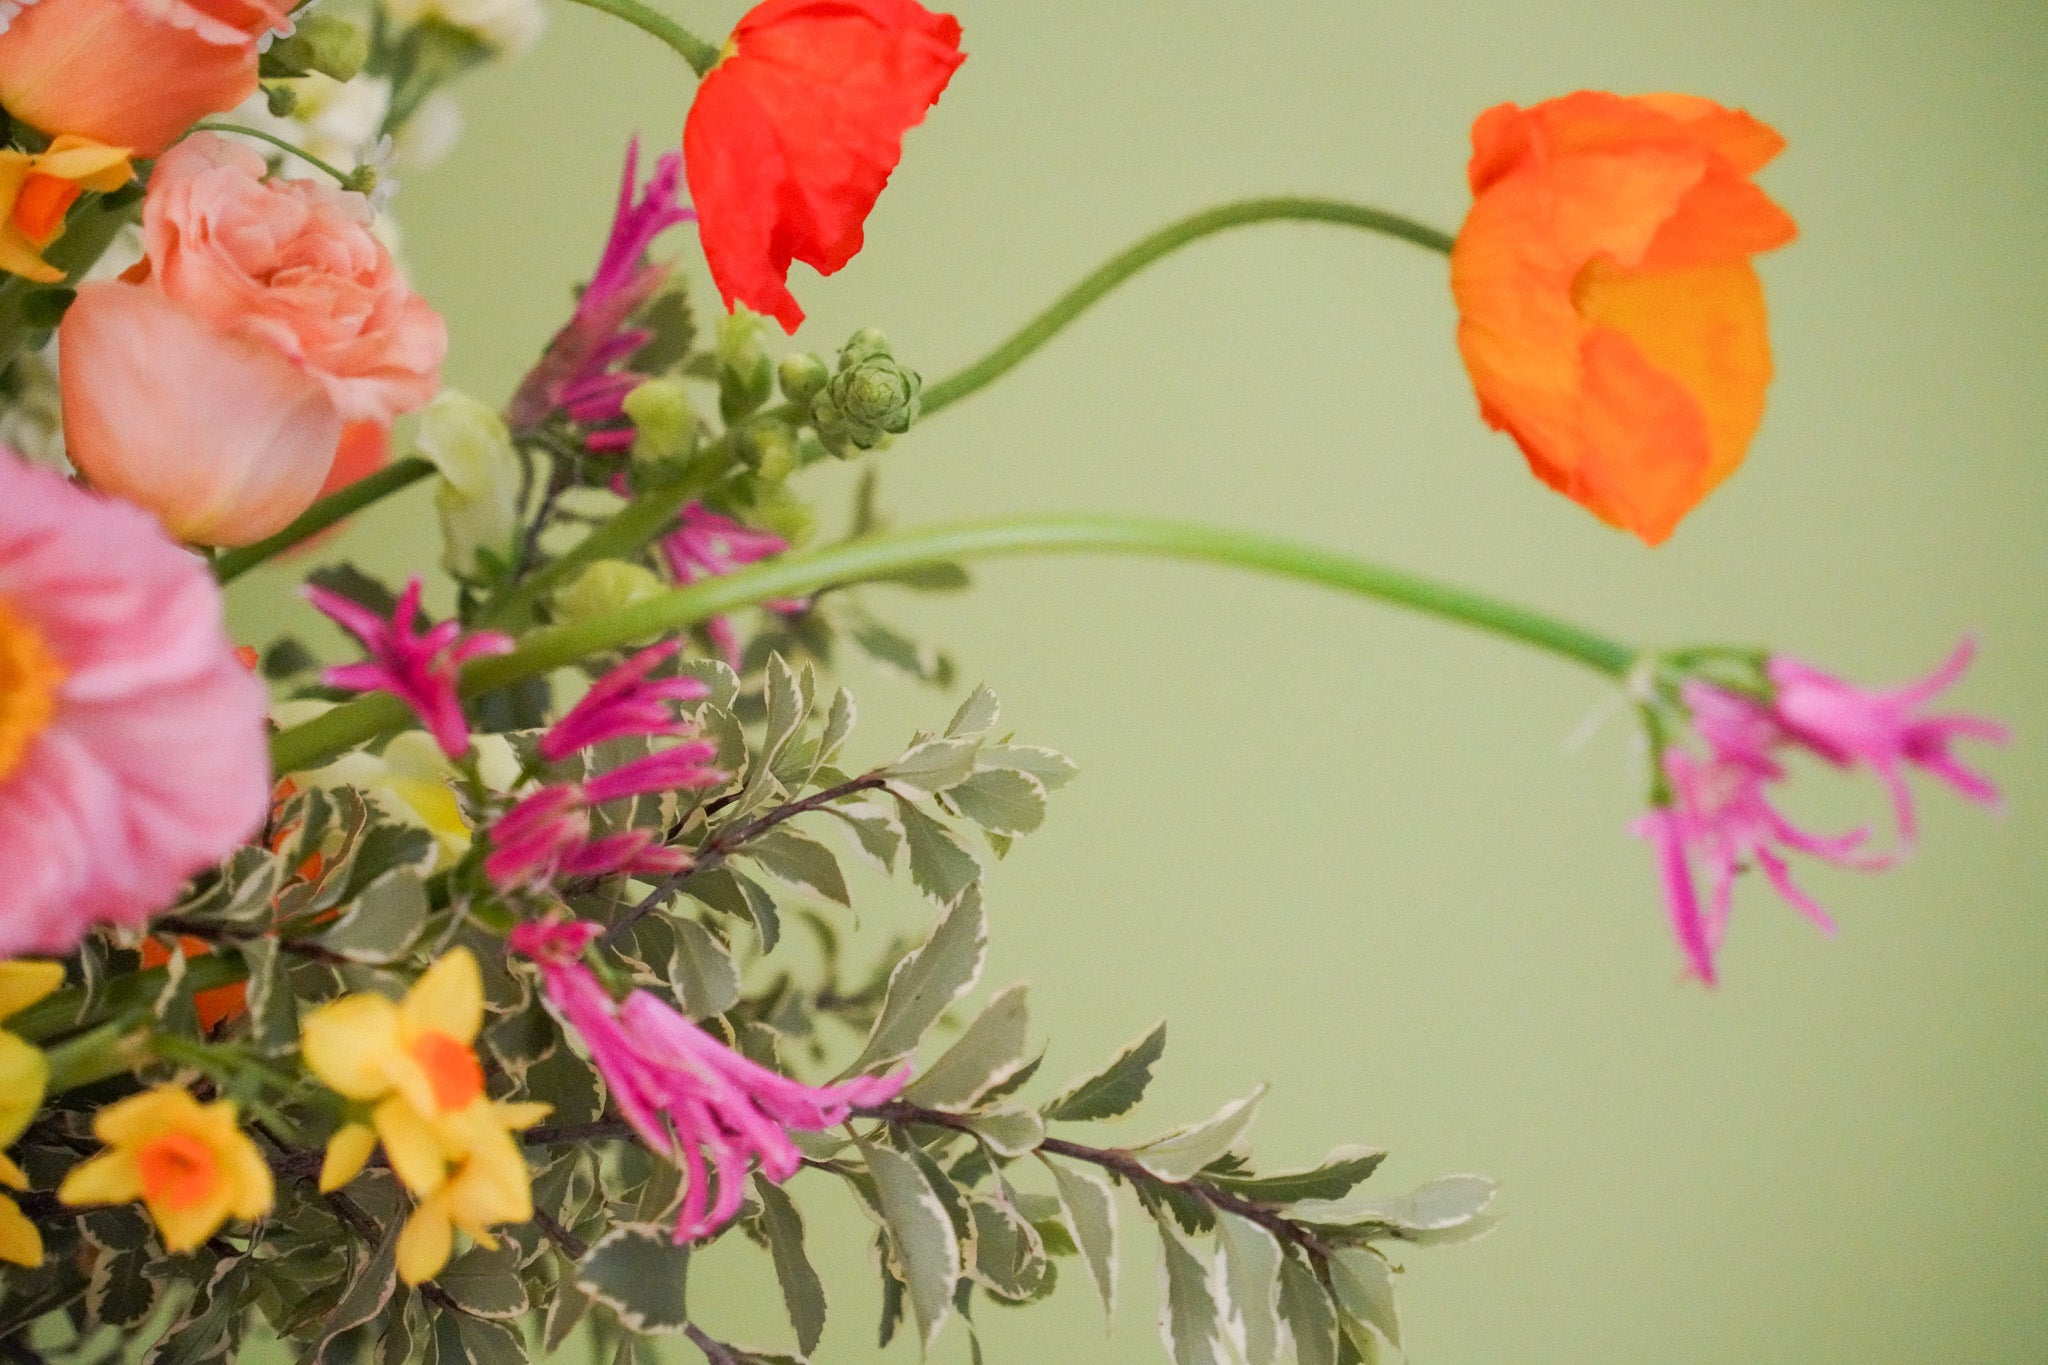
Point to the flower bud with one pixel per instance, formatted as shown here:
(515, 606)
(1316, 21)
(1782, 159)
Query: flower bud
(871, 398)
(803, 377)
(323, 42)
(664, 423)
(605, 587)
(772, 448)
(478, 499)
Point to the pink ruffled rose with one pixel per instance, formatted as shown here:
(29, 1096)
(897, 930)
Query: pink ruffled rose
(212, 385)
(132, 73)
(293, 264)
(133, 753)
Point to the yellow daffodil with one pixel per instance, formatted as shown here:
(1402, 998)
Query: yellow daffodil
(38, 188)
(413, 1063)
(189, 1163)
(24, 1075)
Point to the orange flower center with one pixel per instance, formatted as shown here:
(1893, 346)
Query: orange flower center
(40, 208)
(29, 677)
(452, 1070)
(178, 1170)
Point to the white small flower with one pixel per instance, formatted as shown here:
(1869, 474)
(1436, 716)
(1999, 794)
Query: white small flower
(9, 9)
(508, 27)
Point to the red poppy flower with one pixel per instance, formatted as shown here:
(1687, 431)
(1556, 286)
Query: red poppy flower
(795, 131)
(1608, 311)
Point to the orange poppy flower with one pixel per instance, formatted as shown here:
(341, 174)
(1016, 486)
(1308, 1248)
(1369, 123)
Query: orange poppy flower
(1608, 311)
(794, 133)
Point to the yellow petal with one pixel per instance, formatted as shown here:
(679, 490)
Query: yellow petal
(24, 1075)
(12, 1175)
(251, 1190)
(18, 257)
(520, 1114)
(416, 1155)
(24, 981)
(184, 1229)
(448, 998)
(79, 158)
(349, 1045)
(143, 1116)
(425, 1242)
(20, 1243)
(109, 1178)
(348, 1151)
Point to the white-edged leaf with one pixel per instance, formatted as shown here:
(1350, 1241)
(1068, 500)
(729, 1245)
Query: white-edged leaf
(934, 765)
(921, 1233)
(486, 1283)
(1251, 1259)
(715, 674)
(877, 833)
(384, 921)
(1331, 1178)
(1052, 768)
(802, 1292)
(1438, 1206)
(927, 982)
(839, 723)
(1090, 1208)
(1009, 1132)
(991, 1051)
(638, 1272)
(1190, 1308)
(701, 971)
(1310, 1317)
(1001, 801)
(801, 861)
(976, 716)
(1182, 1153)
(1362, 1283)
(1114, 1090)
(940, 864)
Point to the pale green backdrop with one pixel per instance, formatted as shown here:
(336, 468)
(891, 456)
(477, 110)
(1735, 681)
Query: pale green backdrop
(1355, 854)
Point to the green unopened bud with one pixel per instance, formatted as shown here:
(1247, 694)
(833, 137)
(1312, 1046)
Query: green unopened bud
(324, 43)
(772, 448)
(803, 376)
(871, 398)
(282, 100)
(478, 499)
(664, 423)
(605, 587)
(746, 376)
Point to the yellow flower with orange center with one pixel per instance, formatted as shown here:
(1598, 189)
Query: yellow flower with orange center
(37, 189)
(189, 1163)
(29, 678)
(24, 1075)
(413, 1063)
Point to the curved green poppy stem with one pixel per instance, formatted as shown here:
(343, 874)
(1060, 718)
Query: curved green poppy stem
(701, 55)
(333, 508)
(1163, 243)
(877, 557)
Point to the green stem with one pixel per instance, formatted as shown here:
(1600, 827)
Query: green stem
(323, 514)
(329, 735)
(701, 55)
(341, 178)
(1165, 242)
(105, 1052)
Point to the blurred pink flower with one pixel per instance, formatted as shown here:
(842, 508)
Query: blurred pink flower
(133, 751)
(708, 545)
(623, 702)
(421, 669)
(576, 375)
(548, 835)
(690, 1097)
(1721, 819)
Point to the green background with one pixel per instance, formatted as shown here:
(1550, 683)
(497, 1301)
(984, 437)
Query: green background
(1357, 855)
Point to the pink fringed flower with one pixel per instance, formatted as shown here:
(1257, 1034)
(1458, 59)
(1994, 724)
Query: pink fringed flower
(1721, 820)
(689, 1096)
(549, 835)
(707, 545)
(420, 668)
(132, 745)
(624, 702)
(578, 374)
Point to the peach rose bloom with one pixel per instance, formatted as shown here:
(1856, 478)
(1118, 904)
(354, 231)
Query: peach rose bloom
(213, 388)
(133, 73)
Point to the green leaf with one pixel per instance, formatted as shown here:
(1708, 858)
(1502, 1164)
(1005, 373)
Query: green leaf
(1090, 1208)
(730, 892)
(1001, 801)
(876, 830)
(461, 1340)
(273, 1009)
(702, 973)
(802, 1292)
(940, 864)
(934, 765)
(801, 861)
(385, 921)
(486, 1283)
(976, 716)
(839, 722)
(1009, 1258)
(1362, 1283)
(1181, 1154)
(921, 1233)
(900, 652)
(1251, 1260)
(1440, 1206)
(715, 674)
(1114, 1090)
(1009, 1132)
(1310, 1317)
(990, 1052)
(1331, 1178)
(370, 1289)
(1053, 769)
(639, 1273)
(927, 982)
(1190, 1312)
